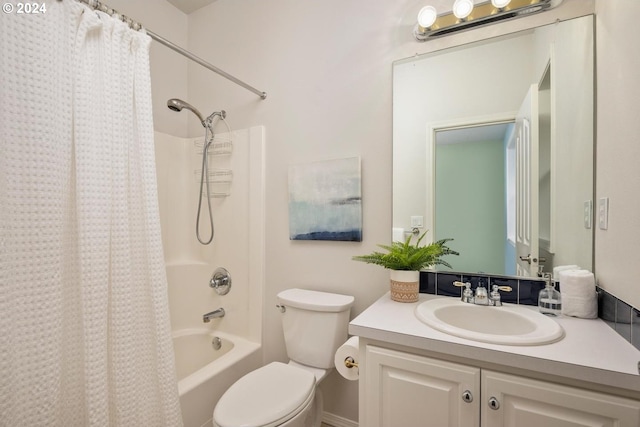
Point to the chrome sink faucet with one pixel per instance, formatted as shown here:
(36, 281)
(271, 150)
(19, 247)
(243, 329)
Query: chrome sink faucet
(481, 296)
(206, 318)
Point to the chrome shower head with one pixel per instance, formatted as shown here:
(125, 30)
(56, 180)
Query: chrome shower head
(176, 104)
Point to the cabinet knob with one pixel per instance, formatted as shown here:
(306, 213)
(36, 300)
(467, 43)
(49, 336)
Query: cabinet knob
(467, 396)
(494, 403)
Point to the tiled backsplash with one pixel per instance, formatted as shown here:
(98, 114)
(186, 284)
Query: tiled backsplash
(623, 318)
(620, 316)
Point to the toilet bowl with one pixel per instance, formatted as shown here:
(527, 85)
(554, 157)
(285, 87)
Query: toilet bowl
(286, 395)
(277, 394)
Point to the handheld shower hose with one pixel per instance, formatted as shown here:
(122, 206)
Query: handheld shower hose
(208, 124)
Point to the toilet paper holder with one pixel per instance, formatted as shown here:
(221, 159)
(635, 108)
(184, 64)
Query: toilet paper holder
(350, 362)
(346, 358)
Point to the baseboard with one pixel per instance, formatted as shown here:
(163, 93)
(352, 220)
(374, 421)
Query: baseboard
(336, 421)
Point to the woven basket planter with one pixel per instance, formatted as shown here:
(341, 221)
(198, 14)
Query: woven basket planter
(405, 285)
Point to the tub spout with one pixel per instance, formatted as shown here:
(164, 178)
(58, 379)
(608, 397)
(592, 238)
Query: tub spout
(206, 318)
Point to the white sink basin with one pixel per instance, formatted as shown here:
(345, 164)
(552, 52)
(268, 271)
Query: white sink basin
(508, 325)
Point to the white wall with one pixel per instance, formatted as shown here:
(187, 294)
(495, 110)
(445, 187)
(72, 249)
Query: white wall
(326, 68)
(618, 150)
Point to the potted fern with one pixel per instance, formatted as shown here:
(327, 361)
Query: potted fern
(405, 260)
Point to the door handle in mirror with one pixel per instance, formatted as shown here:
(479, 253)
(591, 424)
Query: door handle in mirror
(527, 259)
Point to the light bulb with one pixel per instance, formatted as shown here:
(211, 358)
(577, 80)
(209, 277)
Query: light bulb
(500, 4)
(427, 16)
(462, 8)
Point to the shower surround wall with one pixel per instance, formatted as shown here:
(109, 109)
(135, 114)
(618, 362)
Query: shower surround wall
(238, 245)
(238, 233)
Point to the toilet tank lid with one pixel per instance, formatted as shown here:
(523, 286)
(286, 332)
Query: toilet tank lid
(315, 300)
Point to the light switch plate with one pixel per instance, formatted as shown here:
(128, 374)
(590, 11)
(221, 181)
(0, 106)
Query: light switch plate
(588, 213)
(416, 221)
(603, 213)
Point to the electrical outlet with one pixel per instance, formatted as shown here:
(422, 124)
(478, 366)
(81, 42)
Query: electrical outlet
(603, 213)
(588, 213)
(416, 221)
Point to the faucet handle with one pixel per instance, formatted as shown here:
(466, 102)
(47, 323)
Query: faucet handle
(502, 288)
(467, 293)
(221, 281)
(494, 298)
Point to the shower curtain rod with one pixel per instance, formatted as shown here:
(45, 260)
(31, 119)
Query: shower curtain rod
(97, 5)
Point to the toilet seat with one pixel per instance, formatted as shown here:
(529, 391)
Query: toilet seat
(266, 397)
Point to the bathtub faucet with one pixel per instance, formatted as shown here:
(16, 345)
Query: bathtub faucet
(206, 318)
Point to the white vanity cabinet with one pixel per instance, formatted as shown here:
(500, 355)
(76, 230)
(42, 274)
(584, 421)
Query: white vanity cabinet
(414, 375)
(410, 390)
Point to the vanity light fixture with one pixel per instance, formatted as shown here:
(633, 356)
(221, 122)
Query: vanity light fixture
(465, 15)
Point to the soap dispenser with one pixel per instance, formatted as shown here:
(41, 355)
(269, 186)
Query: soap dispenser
(549, 299)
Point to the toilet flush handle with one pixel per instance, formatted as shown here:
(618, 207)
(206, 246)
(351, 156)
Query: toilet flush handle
(281, 307)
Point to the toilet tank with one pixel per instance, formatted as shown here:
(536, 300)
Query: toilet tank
(314, 324)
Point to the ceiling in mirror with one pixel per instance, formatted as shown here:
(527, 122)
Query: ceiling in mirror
(515, 202)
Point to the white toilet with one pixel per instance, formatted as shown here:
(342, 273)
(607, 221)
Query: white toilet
(315, 325)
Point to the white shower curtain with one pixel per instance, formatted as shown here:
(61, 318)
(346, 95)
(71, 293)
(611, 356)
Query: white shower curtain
(84, 320)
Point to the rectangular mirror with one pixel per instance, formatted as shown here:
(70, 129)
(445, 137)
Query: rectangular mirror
(493, 146)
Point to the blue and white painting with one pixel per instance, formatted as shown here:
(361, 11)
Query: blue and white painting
(325, 201)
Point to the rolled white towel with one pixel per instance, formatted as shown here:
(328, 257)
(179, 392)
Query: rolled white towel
(577, 283)
(583, 307)
(558, 269)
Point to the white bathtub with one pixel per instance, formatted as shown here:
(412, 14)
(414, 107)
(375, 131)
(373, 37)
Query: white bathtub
(204, 374)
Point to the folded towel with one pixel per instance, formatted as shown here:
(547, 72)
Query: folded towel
(583, 307)
(577, 283)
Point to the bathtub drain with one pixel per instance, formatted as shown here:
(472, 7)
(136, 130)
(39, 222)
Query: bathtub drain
(216, 343)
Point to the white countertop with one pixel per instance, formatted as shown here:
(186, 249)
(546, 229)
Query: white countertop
(591, 351)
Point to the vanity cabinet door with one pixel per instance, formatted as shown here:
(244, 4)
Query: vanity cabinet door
(408, 390)
(511, 401)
